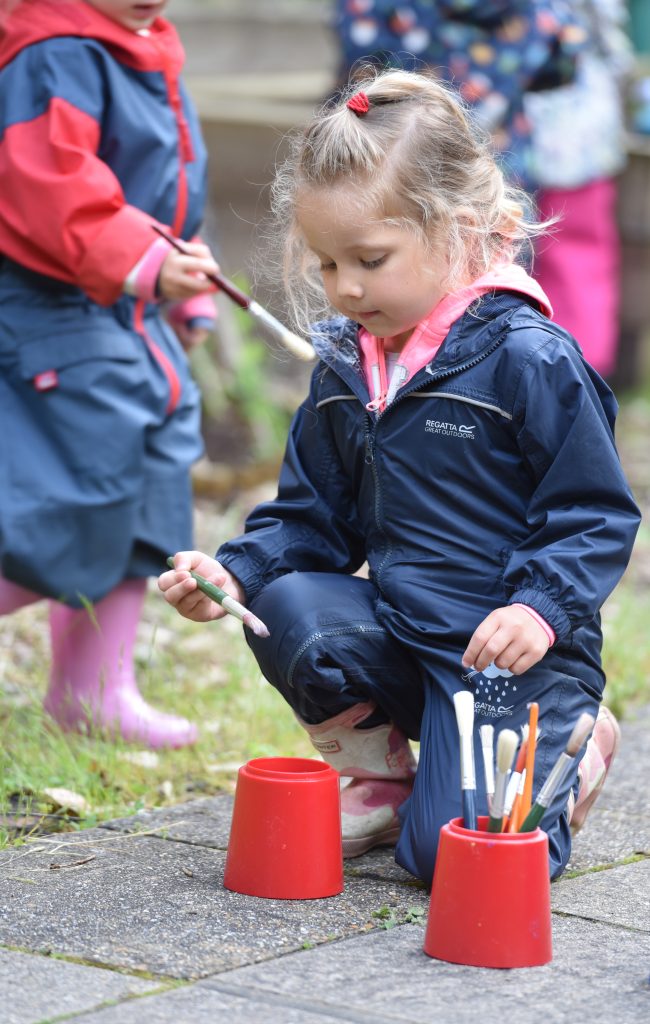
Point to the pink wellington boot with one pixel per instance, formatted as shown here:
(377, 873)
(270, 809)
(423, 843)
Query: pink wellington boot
(592, 771)
(92, 680)
(382, 767)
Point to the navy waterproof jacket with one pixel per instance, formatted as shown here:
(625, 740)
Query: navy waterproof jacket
(492, 478)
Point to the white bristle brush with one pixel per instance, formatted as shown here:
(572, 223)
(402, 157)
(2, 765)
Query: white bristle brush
(486, 733)
(507, 742)
(464, 704)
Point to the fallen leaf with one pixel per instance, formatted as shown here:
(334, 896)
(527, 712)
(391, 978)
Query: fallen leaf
(67, 799)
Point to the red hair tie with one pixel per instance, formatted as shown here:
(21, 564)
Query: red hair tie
(359, 104)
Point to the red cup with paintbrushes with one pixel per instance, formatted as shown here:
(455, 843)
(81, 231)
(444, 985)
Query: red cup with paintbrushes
(491, 898)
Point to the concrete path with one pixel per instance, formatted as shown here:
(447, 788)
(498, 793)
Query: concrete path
(130, 923)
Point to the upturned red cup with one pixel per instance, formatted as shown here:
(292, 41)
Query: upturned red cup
(285, 837)
(490, 900)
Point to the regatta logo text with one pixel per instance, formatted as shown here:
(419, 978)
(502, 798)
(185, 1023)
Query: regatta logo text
(459, 430)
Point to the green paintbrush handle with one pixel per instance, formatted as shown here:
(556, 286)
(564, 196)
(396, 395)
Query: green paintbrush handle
(533, 818)
(495, 824)
(209, 589)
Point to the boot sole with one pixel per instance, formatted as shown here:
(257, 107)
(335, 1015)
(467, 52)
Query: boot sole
(361, 844)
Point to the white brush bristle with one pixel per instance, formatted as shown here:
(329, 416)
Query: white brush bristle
(464, 704)
(507, 743)
(298, 347)
(487, 735)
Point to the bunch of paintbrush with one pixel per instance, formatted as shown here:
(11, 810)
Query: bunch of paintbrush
(511, 807)
(297, 346)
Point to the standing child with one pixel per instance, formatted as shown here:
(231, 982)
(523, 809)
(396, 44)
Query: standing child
(99, 417)
(455, 439)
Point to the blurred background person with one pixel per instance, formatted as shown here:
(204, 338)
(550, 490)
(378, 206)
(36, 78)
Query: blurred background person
(578, 150)
(545, 78)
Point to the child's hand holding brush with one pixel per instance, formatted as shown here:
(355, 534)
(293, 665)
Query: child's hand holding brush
(199, 588)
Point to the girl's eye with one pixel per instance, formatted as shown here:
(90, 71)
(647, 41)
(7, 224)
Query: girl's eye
(372, 264)
(327, 266)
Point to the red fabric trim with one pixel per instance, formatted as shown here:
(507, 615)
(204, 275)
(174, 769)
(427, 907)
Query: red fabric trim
(160, 357)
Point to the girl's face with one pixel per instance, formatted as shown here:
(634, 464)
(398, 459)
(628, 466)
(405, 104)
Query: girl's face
(381, 275)
(130, 14)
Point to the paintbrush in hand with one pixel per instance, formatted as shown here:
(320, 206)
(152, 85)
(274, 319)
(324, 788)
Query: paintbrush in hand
(507, 741)
(229, 604)
(464, 704)
(297, 346)
(559, 772)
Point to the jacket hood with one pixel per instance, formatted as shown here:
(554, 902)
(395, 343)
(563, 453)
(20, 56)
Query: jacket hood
(31, 21)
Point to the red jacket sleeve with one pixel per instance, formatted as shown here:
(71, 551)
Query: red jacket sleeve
(62, 210)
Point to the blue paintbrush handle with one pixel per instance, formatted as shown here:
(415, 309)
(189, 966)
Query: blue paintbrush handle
(469, 808)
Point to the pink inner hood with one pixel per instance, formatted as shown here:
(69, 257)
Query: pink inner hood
(429, 334)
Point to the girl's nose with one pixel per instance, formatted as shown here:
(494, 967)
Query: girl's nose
(348, 285)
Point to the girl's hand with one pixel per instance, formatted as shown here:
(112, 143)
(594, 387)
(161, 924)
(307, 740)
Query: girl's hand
(183, 275)
(509, 637)
(182, 593)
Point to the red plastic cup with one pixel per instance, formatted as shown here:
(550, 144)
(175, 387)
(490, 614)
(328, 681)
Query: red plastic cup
(491, 898)
(285, 837)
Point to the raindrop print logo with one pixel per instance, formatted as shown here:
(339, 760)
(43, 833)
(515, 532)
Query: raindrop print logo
(461, 431)
(492, 691)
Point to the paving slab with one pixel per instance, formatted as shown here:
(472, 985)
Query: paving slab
(623, 789)
(35, 988)
(385, 976)
(619, 895)
(136, 902)
(203, 822)
(388, 973)
(197, 1005)
(610, 836)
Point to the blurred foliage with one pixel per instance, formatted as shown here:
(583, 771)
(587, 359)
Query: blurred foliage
(247, 392)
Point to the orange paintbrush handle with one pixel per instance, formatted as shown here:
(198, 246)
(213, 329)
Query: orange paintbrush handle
(530, 759)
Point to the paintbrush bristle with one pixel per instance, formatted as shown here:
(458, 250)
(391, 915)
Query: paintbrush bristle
(487, 734)
(255, 625)
(298, 347)
(507, 743)
(464, 704)
(581, 730)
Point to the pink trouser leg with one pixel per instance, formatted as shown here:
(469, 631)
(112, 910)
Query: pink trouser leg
(578, 266)
(13, 597)
(92, 679)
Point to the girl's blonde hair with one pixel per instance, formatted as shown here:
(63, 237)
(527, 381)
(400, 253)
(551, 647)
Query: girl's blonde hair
(416, 159)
